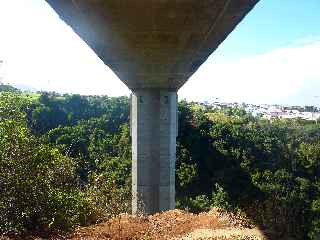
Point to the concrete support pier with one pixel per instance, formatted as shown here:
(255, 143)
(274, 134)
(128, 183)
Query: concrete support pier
(154, 132)
(154, 47)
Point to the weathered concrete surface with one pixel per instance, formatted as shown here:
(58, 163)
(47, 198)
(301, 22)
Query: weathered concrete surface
(154, 128)
(154, 46)
(153, 43)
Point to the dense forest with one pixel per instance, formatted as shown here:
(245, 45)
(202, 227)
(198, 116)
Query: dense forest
(65, 160)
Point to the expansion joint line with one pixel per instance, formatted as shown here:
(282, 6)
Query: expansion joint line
(211, 29)
(214, 24)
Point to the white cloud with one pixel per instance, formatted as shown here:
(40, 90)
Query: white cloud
(277, 76)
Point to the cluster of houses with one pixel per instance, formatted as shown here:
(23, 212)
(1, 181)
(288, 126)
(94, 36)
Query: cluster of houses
(275, 111)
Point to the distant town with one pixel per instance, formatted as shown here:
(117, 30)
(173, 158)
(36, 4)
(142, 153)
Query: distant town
(270, 111)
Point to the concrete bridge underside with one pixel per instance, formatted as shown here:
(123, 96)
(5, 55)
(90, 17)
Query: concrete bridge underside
(153, 46)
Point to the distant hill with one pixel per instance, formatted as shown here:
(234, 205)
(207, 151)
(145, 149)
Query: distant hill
(5, 87)
(25, 87)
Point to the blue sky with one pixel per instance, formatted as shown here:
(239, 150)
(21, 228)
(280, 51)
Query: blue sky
(274, 24)
(271, 57)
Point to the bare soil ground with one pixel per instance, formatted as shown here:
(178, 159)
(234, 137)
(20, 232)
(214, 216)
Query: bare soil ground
(171, 225)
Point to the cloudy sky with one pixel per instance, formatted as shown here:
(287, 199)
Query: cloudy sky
(272, 57)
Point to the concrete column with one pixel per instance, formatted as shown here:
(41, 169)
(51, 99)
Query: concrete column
(153, 131)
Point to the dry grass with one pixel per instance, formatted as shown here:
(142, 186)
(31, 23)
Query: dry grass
(173, 225)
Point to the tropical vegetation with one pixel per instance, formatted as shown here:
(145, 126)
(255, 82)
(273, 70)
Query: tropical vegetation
(65, 160)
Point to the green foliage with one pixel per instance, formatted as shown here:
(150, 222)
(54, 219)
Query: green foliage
(199, 203)
(186, 173)
(107, 199)
(270, 170)
(65, 160)
(29, 174)
(13, 106)
(39, 181)
(69, 208)
(53, 110)
(220, 198)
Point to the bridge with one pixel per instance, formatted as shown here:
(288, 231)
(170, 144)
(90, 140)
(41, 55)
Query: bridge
(154, 47)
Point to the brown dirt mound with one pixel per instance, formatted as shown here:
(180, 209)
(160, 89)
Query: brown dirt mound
(175, 224)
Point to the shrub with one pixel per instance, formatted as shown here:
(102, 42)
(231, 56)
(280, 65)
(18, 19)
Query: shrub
(34, 179)
(220, 198)
(107, 199)
(199, 203)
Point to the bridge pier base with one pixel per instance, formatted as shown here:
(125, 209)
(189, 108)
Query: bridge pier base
(154, 132)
